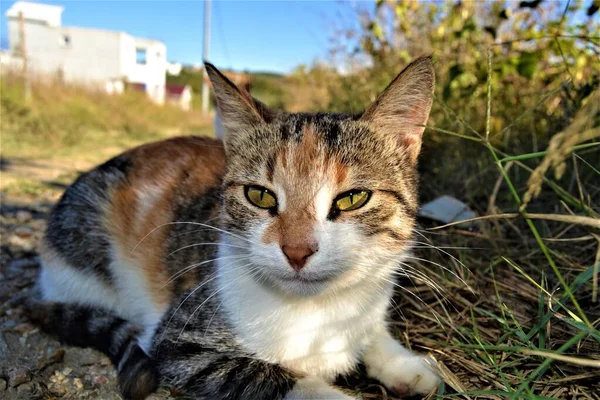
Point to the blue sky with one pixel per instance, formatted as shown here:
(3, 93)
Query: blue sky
(246, 35)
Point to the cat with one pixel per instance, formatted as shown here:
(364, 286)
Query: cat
(258, 267)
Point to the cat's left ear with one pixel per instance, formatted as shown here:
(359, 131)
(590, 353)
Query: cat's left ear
(402, 109)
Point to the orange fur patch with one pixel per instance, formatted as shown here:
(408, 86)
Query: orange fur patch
(186, 167)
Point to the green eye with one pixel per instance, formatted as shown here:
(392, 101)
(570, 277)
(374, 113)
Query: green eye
(261, 197)
(352, 200)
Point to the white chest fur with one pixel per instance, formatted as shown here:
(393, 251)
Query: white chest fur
(322, 336)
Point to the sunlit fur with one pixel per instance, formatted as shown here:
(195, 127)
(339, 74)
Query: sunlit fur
(164, 238)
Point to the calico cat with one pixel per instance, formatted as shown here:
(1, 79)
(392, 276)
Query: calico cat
(260, 267)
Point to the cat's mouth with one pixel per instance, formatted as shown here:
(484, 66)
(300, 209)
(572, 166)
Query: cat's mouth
(305, 279)
(302, 285)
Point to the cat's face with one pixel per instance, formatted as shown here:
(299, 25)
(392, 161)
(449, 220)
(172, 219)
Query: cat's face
(320, 202)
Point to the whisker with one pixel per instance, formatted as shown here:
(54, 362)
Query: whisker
(408, 271)
(215, 275)
(211, 318)
(420, 275)
(190, 223)
(197, 230)
(193, 266)
(442, 267)
(446, 253)
(210, 297)
(431, 309)
(396, 306)
(433, 312)
(206, 244)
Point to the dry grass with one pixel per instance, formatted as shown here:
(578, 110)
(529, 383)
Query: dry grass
(59, 120)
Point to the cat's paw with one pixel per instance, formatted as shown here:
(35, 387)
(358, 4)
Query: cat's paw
(406, 374)
(314, 388)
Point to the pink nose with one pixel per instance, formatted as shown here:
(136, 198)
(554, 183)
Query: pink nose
(297, 256)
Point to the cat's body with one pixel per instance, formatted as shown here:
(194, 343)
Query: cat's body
(262, 269)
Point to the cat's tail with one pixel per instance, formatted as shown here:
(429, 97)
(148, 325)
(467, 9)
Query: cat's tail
(104, 331)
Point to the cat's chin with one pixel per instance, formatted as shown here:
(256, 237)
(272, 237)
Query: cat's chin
(301, 286)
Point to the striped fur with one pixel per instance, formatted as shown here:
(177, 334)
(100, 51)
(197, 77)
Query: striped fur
(104, 331)
(158, 258)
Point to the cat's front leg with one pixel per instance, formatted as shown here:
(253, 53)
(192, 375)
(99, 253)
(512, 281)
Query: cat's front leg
(205, 374)
(398, 368)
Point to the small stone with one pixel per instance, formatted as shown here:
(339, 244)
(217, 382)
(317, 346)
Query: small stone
(87, 357)
(24, 329)
(78, 384)
(18, 377)
(58, 389)
(26, 388)
(105, 361)
(3, 385)
(23, 216)
(19, 245)
(67, 371)
(99, 380)
(54, 358)
(24, 232)
(58, 377)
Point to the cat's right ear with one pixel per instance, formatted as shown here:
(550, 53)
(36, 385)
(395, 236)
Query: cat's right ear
(237, 108)
(403, 108)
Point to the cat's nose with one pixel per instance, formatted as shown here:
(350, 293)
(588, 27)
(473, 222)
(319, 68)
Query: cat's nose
(297, 256)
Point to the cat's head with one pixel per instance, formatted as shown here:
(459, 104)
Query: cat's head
(314, 202)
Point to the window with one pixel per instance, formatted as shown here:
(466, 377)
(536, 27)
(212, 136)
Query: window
(64, 41)
(140, 56)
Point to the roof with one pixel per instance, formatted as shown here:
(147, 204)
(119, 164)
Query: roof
(176, 90)
(36, 11)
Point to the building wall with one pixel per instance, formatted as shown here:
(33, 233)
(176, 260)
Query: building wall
(91, 56)
(153, 73)
(75, 54)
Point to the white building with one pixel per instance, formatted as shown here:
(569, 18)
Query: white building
(97, 57)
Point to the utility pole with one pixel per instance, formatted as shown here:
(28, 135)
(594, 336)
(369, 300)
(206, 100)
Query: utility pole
(23, 50)
(205, 55)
